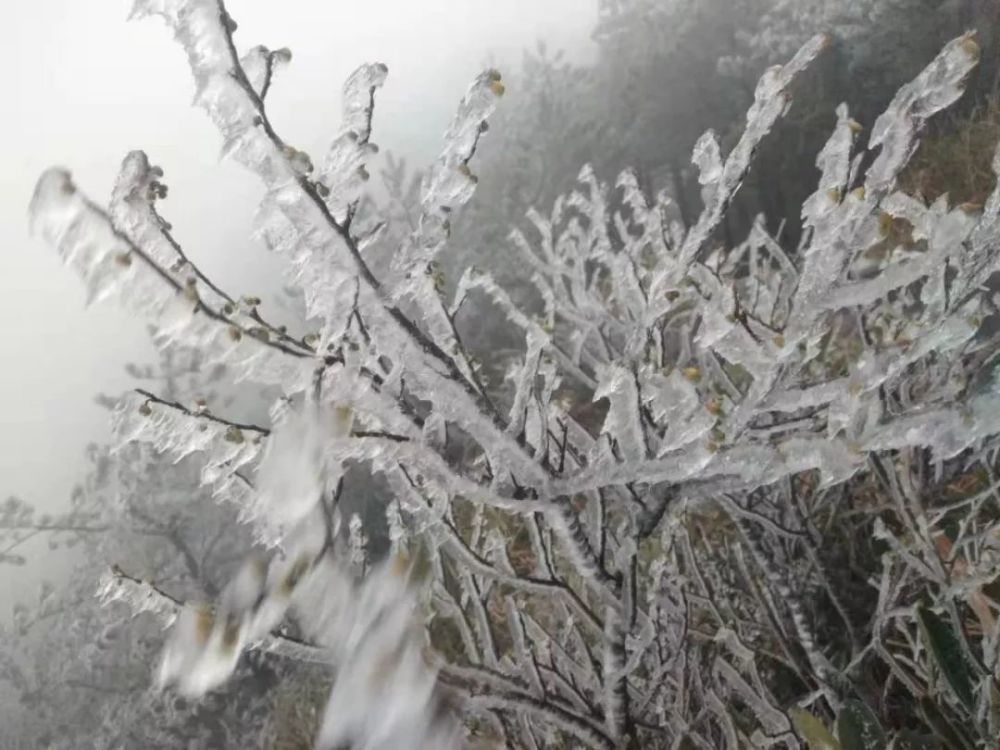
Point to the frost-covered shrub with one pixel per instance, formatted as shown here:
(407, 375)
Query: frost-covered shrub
(709, 508)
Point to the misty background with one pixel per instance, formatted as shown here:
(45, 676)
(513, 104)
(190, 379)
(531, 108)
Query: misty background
(87, 87)
(638, 84)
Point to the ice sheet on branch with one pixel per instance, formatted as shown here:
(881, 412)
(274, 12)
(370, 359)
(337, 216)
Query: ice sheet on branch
(112, 266)
(229, 454)
(344, 173)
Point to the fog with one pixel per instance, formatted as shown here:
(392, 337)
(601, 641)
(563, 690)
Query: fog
(663, 413)
(83, 87)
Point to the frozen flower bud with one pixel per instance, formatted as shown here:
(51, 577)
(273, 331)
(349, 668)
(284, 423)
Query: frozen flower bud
(971, 46)
(204, 622)
(463, 169)
(294, 575)
(298, 160)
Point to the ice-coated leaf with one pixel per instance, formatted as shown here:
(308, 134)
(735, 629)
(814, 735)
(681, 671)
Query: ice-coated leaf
(943, 645)
(858, 728)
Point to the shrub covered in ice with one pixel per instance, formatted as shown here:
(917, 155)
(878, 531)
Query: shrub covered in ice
(641, 572)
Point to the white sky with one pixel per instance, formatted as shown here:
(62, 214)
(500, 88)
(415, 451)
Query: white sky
(82, 87)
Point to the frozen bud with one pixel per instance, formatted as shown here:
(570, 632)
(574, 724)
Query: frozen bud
(971, 46)
(204, 622)
(463, 169)
(234, 435)
(885, 223)
(299, 568)
(692, 373)
(343, 420)
(231, 633)
(298, 160)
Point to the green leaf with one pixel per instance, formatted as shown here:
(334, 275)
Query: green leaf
(943, 645)
(813, 731)
(858, 729)
(948, 735)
